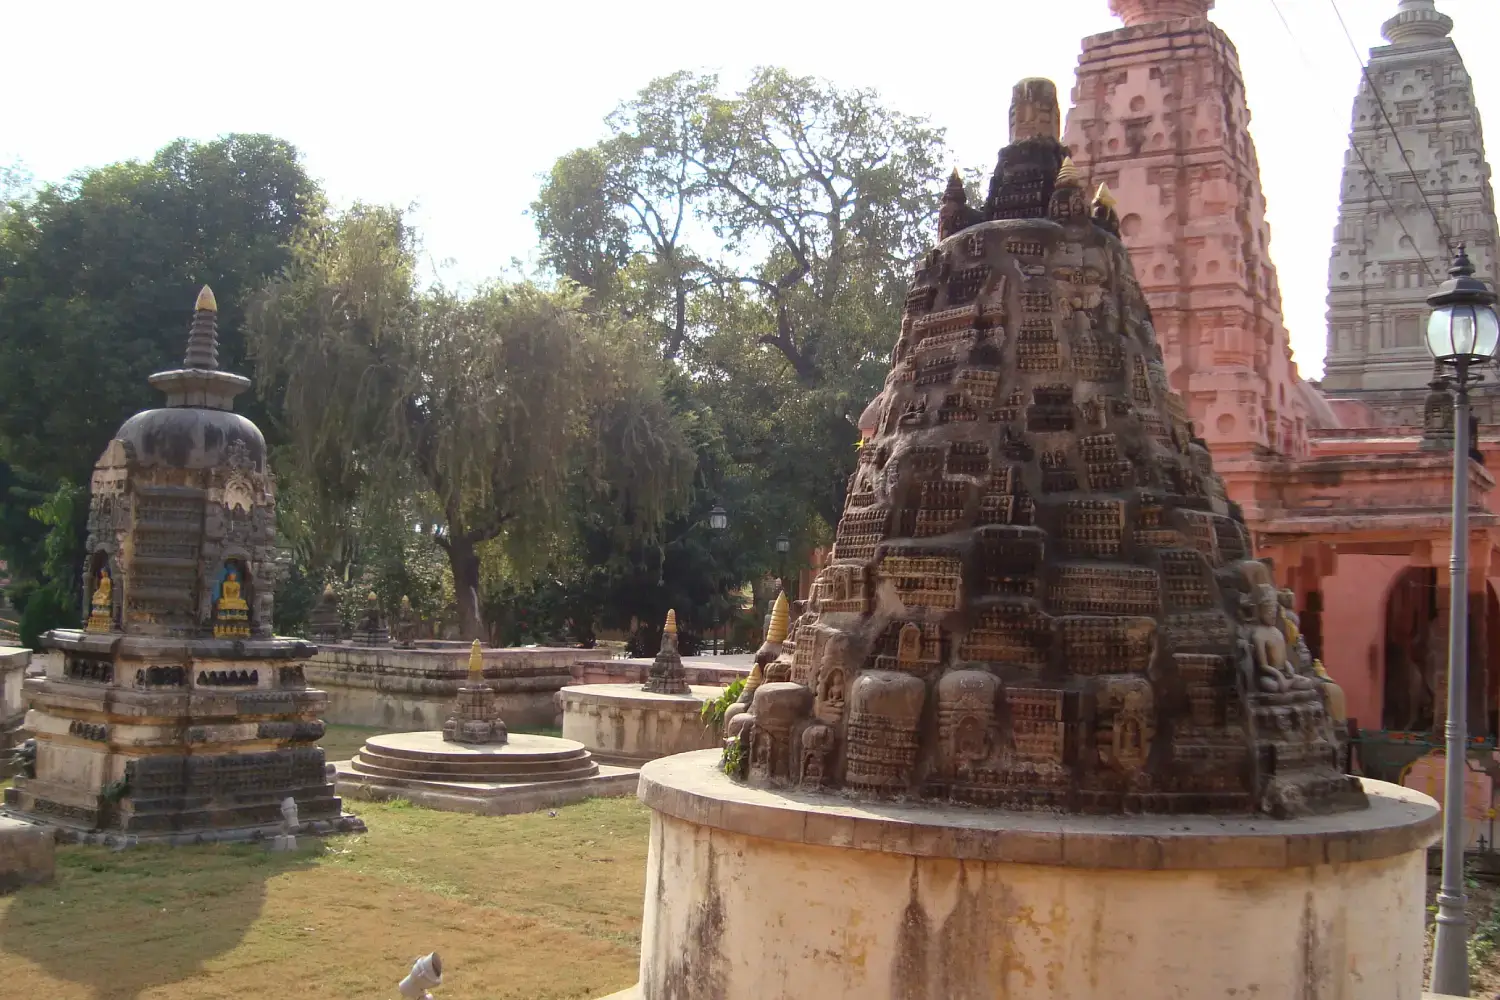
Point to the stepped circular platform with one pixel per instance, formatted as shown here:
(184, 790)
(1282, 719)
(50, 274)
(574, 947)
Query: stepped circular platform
(528, 772)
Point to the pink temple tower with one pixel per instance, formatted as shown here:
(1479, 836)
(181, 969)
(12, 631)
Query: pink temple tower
(1160, 116)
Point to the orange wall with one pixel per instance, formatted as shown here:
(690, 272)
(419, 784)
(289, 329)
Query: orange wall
(1354, 630)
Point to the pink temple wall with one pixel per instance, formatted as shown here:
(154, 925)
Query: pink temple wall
(1354, 630)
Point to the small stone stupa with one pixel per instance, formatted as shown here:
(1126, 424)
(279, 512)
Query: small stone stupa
(372, 630)
(325, 623)
(476, 713)
(778, 623)
(176, 714)
(666, 675)
(1038, 598)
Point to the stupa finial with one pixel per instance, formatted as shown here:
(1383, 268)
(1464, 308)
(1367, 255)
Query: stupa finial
(203, 336)
(1416, 21)
(670, 628)
(1134, 12)
(476, 662)
(1069, 175)
(781, 619)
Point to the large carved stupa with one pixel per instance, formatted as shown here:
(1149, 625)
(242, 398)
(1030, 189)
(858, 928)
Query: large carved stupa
(1038, 596)
(177, 714)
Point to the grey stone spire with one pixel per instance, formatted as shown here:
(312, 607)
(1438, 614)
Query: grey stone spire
(203, 336)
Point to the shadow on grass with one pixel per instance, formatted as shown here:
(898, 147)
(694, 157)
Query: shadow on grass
(121, 923)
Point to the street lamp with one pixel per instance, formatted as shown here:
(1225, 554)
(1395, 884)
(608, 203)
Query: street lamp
(718, 518)
(1462, 332)
(783, 546)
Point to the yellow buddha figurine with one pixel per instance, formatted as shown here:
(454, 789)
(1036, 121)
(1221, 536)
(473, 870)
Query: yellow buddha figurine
(231, 613)
(101, 606)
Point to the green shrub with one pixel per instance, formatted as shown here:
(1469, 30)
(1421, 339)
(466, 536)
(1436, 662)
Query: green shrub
(713, 711)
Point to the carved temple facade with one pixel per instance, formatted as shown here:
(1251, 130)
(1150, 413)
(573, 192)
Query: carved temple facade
(1340, 487)
(1418, 131)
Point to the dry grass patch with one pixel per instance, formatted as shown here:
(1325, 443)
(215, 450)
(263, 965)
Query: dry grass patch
(525, 907)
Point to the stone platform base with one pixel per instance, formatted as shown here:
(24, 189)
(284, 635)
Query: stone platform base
(522, 775)
(754, 893)
(26, 854)
(621, 724)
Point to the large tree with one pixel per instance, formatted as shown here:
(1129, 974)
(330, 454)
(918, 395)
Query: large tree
(767, 234)
(487, 407)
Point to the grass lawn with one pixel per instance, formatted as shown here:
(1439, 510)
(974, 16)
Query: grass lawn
(527, 907)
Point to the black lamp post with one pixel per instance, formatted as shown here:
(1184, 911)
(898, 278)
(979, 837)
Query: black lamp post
(718, 523)
(783, 546)
(1462, 333)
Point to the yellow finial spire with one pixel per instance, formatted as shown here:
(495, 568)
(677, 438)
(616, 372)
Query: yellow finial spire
(1069, 176)
(1104, 197)
(781, 619)
(206, 300)
(670, 628)
(476, 662)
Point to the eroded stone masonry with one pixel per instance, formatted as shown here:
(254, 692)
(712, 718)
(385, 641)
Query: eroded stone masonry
(1038, 596)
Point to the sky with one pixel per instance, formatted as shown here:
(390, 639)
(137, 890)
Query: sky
(459, 108)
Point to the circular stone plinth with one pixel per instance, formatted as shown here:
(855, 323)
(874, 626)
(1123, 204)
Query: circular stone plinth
(763, 893)
(622, 724)
(426, 756)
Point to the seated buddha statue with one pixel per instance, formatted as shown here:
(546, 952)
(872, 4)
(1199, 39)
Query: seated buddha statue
(231, 613)
(101, 605)
(1273, 669)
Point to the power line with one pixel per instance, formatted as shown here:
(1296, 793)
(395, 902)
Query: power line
(1369, 173)
(1380, 103)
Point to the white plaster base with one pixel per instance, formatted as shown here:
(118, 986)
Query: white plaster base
(621, 724)
(753, 894)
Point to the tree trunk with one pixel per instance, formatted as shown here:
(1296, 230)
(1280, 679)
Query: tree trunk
(464, 562)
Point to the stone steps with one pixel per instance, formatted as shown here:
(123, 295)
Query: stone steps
(427, 757)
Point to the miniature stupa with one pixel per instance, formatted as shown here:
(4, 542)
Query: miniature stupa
(1037, 596)
(176, 714)
(666, 675)
(476, 712)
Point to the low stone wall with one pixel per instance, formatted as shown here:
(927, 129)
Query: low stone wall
(13, 663)
(411, 689)
(705, 672)
(621, 724)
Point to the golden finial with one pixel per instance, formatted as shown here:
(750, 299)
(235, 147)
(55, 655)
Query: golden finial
(206, 300)
(1321, 670)
(476, 662)
(781, 619)
(670, 628)
(1104, 197)
(1069, 176)
(328, 592)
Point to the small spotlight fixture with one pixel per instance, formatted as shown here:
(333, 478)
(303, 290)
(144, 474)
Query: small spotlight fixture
(425, 971)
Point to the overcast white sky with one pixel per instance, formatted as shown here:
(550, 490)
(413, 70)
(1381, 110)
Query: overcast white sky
(460, 107)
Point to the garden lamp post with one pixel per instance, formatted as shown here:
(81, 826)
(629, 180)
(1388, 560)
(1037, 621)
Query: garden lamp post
(783, 546)
(1462, 334)
(718, 523)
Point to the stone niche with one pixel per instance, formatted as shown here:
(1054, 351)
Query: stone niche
(1038, 597)
(176, 714)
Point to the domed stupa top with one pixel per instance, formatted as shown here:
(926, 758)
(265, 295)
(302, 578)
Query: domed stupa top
(1416, 21)
(1134, 12)
(181, 517)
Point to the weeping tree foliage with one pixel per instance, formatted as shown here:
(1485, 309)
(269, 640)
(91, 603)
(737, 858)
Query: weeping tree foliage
(487, 407)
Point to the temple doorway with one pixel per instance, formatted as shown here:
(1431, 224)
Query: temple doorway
(1414, 632)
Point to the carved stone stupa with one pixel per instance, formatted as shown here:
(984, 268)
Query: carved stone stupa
(476, 714)
(1037, 596)
(666, 675)
(176, 713)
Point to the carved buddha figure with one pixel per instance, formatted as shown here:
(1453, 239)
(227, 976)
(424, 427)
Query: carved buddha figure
(231, 611)
(1268, 647)
(101, 606)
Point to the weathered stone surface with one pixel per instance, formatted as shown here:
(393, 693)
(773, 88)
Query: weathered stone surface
(26, 854)
(1037, 596)
(13, 664)
(758, 893)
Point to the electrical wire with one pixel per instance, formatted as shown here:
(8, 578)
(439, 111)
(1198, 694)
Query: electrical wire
(1364, 70)
(1369, 173)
